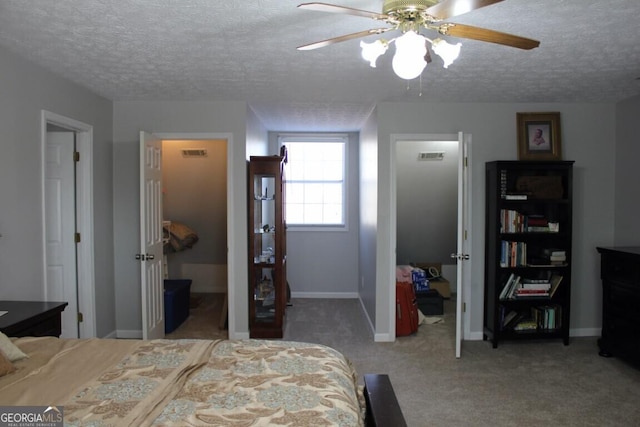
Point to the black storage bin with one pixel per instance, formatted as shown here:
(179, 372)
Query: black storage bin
(177, 293)
(430, 302)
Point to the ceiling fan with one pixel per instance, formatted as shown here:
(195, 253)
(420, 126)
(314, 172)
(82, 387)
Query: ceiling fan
(410, 16)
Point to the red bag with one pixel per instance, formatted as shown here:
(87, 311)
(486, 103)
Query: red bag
(406, 309)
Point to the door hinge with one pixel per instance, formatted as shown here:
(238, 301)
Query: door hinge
(464, 307)
(465, 235)
(76, 156)
(80, 317)
(77, 237)
(466, 162)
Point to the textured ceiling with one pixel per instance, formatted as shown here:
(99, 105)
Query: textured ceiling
(245, 51)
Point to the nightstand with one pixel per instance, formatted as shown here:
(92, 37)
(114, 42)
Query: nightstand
(31, 318)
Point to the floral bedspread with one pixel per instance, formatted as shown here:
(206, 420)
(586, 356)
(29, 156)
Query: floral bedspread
(221, 383)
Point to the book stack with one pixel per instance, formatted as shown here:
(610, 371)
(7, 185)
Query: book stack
(513, 254)
(533, 288)
(516, 287)
(558, 257)
(537, 224)
(546, 317)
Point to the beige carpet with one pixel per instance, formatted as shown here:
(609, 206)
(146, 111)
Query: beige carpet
(518, 384)
(203, 320)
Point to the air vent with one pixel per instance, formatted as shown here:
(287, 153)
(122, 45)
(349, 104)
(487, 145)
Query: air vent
(431, 155)
(194, 152)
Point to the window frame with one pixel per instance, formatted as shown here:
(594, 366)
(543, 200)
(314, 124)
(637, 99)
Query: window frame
(343, 138)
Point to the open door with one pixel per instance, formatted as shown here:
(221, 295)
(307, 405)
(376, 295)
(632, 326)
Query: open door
(462, 254)
(60, 226)
(150, 254)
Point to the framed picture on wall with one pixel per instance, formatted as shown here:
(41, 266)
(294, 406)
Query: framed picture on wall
(539, 136)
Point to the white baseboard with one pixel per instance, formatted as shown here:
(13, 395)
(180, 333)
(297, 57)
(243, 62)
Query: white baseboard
(129, 334)
(582, 332)
(327, 295)
(111, 335)
(585, 332)
(476, 336)
(371, 326)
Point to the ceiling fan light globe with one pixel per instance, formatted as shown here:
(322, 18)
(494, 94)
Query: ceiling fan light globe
(447, 51)
(408, 61)
(371, 51)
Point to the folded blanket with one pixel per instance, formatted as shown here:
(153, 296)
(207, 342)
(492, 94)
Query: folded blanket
(180, 237)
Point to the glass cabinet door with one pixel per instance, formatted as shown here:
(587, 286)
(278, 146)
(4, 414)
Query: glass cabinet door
(266, 248)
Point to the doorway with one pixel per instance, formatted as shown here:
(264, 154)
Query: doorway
(230, 248)
(67, 213)
(443, 218)
(194, 203)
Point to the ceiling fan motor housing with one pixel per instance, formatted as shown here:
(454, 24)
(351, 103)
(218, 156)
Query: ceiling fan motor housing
(398, 6)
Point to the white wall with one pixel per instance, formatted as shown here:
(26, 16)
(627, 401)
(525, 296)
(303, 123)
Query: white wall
(588, 132)
(233, 118)
(627, 202)
(324, 264)
(25, 90)
(376, 305)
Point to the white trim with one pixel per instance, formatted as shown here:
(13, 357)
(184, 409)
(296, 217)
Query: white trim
(135, 334)
(475, 336)
(326, 295)
(84, 215)
(231, 218)
(585, 332)
(466, 283)
(391, 267)
(366, 314)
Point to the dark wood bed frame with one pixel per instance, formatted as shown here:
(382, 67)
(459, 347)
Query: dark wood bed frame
(383, 409)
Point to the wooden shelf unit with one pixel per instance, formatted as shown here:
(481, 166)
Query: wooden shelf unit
(528, 239)
(267, 247)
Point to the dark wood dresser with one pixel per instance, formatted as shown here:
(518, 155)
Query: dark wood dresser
(620, 274)
(31, 318)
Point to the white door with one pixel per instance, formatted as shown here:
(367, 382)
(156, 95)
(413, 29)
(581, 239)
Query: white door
(60, 227)
(151, 236)
(462, 255)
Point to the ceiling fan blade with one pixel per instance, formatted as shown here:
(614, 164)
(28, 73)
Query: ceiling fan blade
(326, 7)
(482, 34)
(449, 8)
(346, 37)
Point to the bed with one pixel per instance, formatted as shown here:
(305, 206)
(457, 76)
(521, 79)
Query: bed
(196, 382)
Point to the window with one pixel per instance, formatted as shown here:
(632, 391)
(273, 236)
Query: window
(315, 180)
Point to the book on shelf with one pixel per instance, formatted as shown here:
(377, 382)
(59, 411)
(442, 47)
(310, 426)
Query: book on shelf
(526, 325)
(531, 293)
(514, 317)
(517, 287)
(555, 283)
(507, 286)
(547, 317)
(536, 286)
(512, 289)
(513, 254)
(515, 196)
(509, 319)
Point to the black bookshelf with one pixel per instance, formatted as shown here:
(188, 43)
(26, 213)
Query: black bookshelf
(527, 283)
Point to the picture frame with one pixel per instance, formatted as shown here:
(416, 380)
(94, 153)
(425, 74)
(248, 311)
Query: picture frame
(539, 136)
